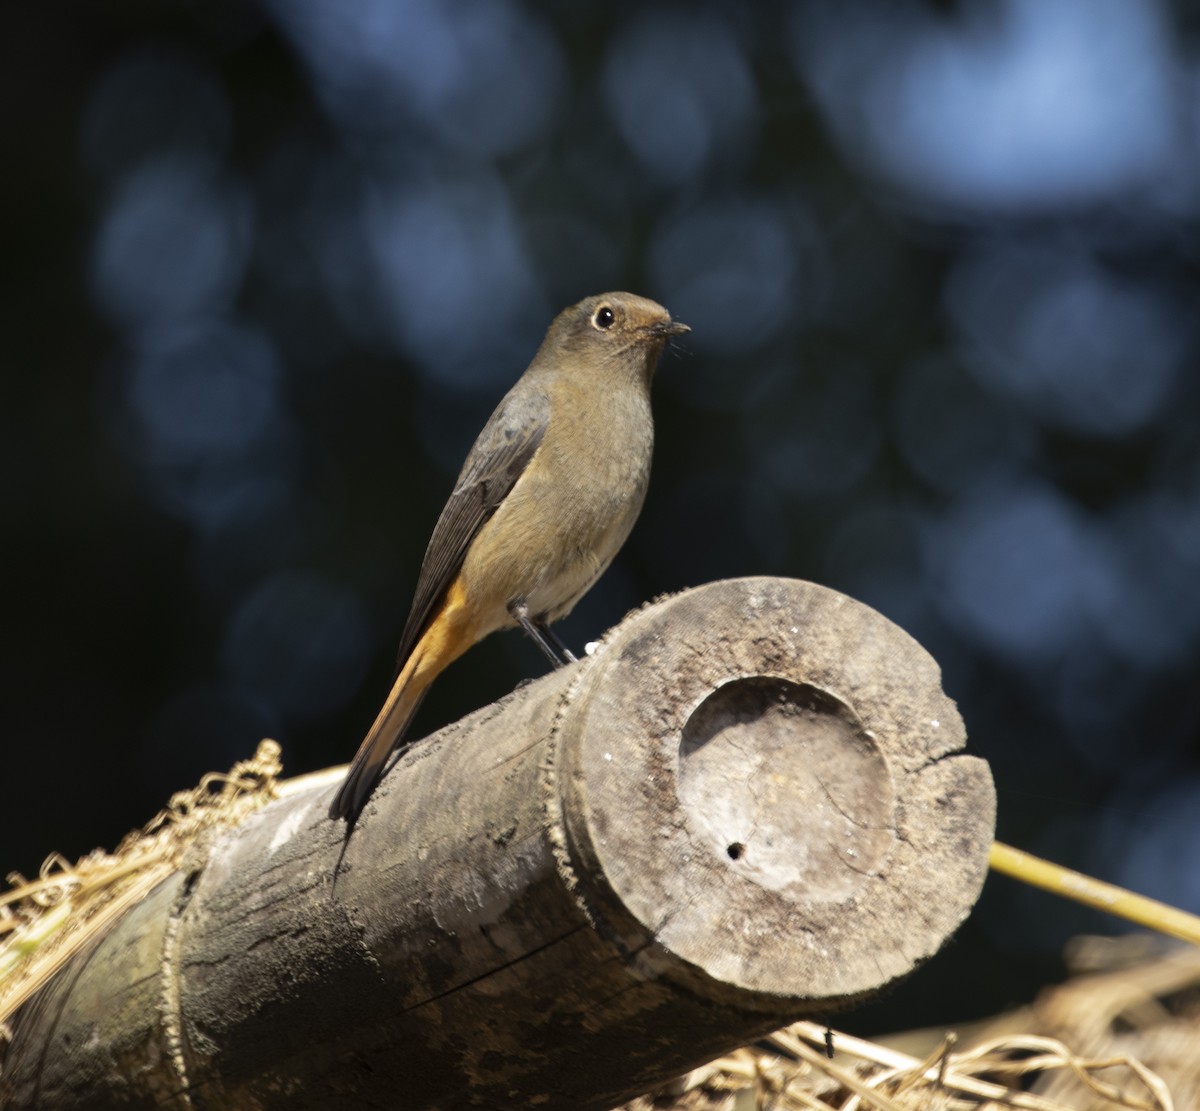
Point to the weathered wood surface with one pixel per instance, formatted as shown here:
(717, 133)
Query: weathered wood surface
(749, 806)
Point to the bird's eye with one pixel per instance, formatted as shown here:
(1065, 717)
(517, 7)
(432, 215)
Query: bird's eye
(603, 318)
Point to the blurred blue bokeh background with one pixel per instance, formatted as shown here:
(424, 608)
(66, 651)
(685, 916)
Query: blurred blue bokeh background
(269, 267)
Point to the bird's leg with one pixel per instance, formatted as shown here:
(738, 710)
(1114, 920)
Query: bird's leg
(542, 635)
(565, 654)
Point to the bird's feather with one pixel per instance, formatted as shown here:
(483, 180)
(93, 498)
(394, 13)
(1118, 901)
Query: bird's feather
(506, 445)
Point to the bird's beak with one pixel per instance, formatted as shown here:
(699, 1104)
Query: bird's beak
(668, 328)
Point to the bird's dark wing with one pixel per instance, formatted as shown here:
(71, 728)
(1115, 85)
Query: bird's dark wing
(501, 453)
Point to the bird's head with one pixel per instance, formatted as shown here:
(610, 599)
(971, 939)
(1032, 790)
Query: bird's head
(611, 330)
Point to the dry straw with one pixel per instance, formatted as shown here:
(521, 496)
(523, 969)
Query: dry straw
(791, 1070)
(45, 921)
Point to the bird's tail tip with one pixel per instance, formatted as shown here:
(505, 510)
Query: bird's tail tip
(384, 738)
(339, 808)
(352, 795)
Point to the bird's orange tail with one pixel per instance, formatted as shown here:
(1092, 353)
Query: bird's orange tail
(384, 736)
(448, 636)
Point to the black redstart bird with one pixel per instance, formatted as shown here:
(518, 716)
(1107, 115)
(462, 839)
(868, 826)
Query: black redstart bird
(547, 496)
